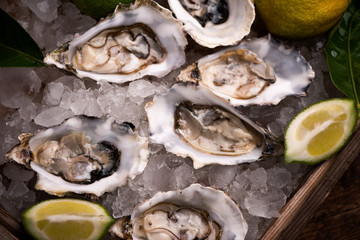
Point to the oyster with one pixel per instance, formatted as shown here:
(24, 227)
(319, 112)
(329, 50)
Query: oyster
(83, 155)
(191, 121)
(213, 23)
(137, 40)
(195, 212)
(259, 71)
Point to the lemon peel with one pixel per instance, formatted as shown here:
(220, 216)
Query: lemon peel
(296, 19)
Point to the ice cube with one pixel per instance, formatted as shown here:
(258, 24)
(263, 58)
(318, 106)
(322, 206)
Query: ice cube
(140, 89)
(27, 112)
(130, 112)
(202, 175)
(53, 116)
(285, 116)
(265, 204)
(16, 189)
(258, 179)
(66, 98)
(111, 99)
(53, 93)
(14, 120)
(46, 10)
(278, 177)
(124, 202)
(84, 102)
(184, 176)
(157, 176)
(34, 82)
(220, 176)
(239, 187)
(78, 84)
(14, 172)
(15, 100)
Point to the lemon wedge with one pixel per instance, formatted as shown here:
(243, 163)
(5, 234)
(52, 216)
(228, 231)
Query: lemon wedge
(319, 131)
(66, 219)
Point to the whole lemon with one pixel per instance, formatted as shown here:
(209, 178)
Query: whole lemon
(296, 19)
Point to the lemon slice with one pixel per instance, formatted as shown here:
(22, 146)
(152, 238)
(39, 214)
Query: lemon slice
(66, 219)
(319, 131)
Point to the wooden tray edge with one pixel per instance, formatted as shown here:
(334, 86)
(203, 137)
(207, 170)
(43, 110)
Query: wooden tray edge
(298, 211)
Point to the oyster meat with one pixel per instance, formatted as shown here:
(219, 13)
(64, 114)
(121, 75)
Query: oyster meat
(195, 212)
(213, 23)
(258, 71)
(83, 155)
(191, 121)
(137, 40)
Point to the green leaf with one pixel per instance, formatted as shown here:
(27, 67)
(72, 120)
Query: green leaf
(98, 9)
(17, 48)
(343, 53)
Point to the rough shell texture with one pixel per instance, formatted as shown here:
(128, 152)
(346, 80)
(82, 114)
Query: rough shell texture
(292, 73)
(240, 18)
(125, 46)
(216, 203)
(133, 155)
(161, 112)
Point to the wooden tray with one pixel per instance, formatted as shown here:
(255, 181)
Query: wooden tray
(302, 205)
(293, 216)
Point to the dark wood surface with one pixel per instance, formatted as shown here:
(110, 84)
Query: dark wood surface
(339, 216)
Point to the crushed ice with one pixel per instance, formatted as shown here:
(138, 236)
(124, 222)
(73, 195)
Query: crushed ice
(45, 97)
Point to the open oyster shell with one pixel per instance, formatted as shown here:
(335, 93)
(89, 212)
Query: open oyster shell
(215, 22)
(191, 121)
(195, 212)
(258, 71)
(135, 41)
(83, 155)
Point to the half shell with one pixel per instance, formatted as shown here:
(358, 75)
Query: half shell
(195, 212)
(259, 71)
(136, 41)
(215, 22)
(83, 155)
(192, 122)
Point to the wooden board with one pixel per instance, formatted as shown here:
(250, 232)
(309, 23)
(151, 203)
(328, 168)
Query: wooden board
(339, 216)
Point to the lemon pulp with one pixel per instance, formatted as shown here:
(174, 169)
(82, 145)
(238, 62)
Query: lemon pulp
(325, 140)
(70, 229)
(320, 130)
(65, 207)
(67, 219)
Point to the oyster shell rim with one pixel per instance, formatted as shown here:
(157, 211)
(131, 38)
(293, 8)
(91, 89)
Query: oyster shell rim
(56, 185)
(270, 98)
(57, 58)
(233, 227)
(192, 26)
(162, 132)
